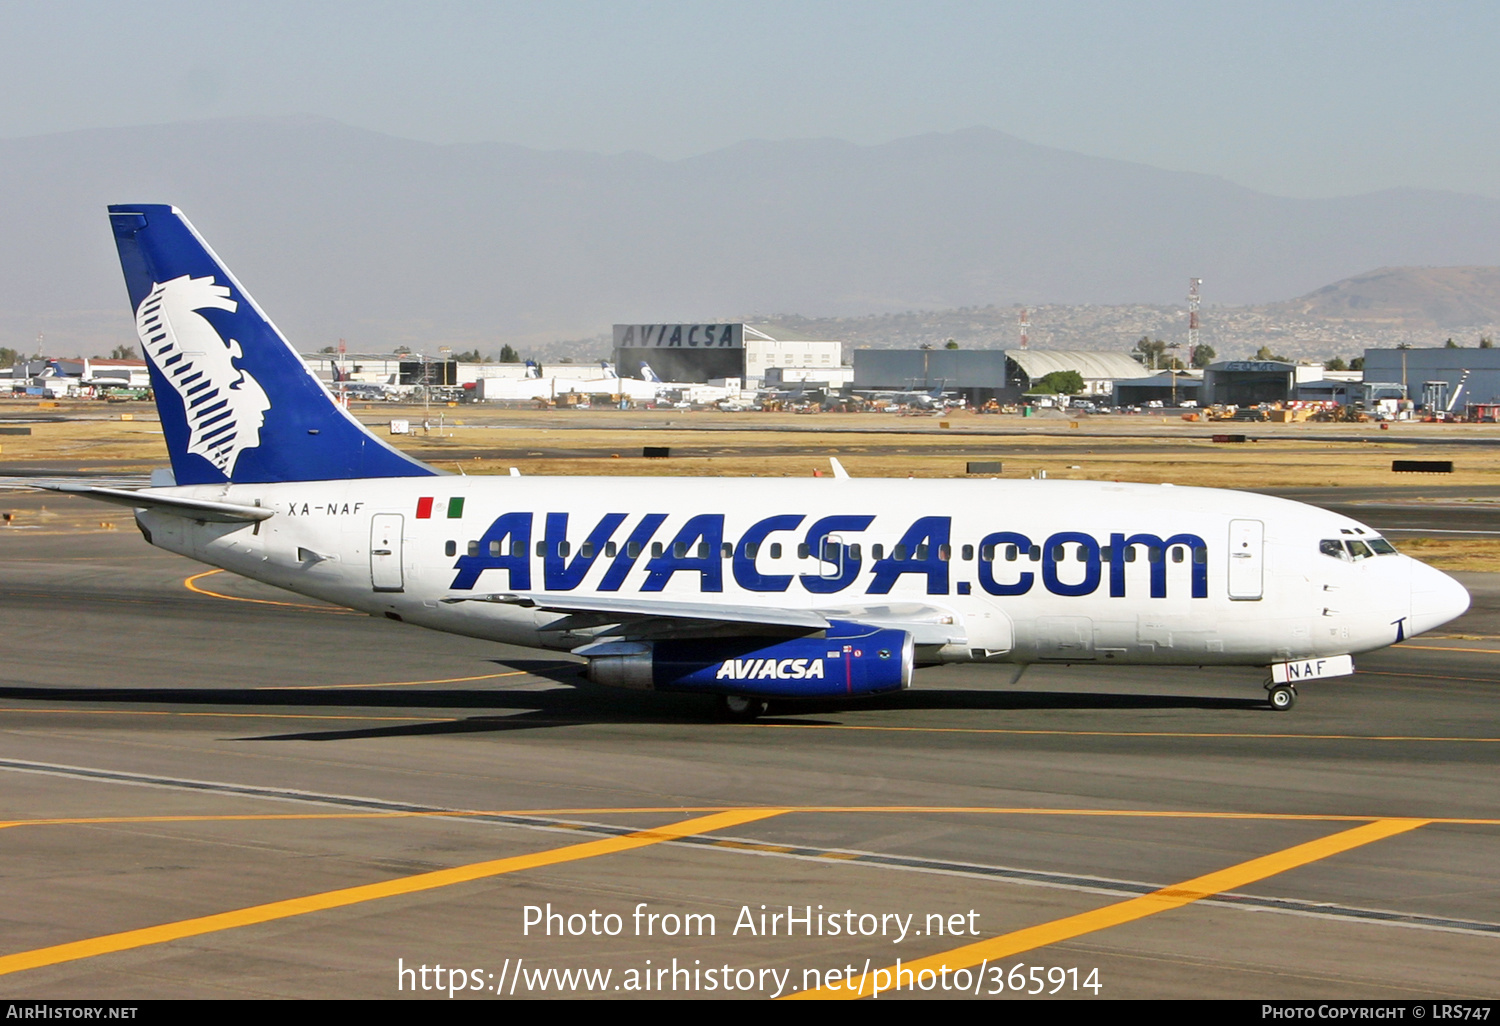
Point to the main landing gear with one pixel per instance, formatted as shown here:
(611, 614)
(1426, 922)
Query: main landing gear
(741, 708)
(1281, 696)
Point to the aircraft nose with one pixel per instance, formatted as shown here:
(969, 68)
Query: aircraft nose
(1436, 598)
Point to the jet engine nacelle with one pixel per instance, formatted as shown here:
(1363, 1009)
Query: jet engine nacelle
(848, 661)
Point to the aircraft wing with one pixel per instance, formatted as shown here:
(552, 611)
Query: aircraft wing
(639, 609)
(178, 505)
(928, 625)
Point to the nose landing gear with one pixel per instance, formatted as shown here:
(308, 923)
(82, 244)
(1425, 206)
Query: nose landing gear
(1281, 696)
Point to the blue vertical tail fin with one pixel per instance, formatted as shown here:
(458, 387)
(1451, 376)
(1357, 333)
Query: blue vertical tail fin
(237, 403)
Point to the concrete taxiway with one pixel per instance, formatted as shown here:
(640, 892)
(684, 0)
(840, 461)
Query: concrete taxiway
(209, 788)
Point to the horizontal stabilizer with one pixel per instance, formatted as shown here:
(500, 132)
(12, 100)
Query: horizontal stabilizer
(205, 510)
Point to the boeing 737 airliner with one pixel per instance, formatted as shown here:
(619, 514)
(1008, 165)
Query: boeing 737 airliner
(750, 589)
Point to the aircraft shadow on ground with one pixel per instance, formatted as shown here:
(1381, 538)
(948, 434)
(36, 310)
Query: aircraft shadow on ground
(581, 708)
(581, 703)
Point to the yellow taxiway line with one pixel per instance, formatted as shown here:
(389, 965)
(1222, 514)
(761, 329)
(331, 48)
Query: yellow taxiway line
(1432, 676)
(130, 939)
(191, 584)
(1447, 648)
(981, 953)
(1107, 733)
(1369, 830)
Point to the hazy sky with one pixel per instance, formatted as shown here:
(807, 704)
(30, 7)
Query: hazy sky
(1294, 98)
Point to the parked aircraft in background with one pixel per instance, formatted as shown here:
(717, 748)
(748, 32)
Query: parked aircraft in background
(750, 589)
(685, 394)
(913, 398)
(364, 392)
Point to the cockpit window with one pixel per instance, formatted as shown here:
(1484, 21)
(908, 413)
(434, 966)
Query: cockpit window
(1331, 547)
(1382, 547)
(1358, 549)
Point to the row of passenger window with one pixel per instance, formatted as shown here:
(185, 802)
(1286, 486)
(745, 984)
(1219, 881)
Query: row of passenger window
(833, 552)
(1352, 548)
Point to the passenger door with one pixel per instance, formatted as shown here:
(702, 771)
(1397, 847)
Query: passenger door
(1246, 559)
(385, 551)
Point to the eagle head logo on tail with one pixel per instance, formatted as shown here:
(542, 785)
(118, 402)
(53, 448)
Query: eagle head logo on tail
(225, 406)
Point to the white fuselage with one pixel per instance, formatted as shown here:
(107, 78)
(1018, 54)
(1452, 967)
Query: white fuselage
(1015, 571)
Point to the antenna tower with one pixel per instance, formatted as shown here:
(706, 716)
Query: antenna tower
(1025, 328)
(1193, 284)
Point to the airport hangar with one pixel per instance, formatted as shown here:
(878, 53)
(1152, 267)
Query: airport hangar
(1172, 388)
(1007, 374)
(718, 352)
(1245, 383)
(1432, 376)
(1251, 382)
(984, 374)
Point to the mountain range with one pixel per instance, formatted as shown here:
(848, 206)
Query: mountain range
(1432, 298)
(345, 232)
